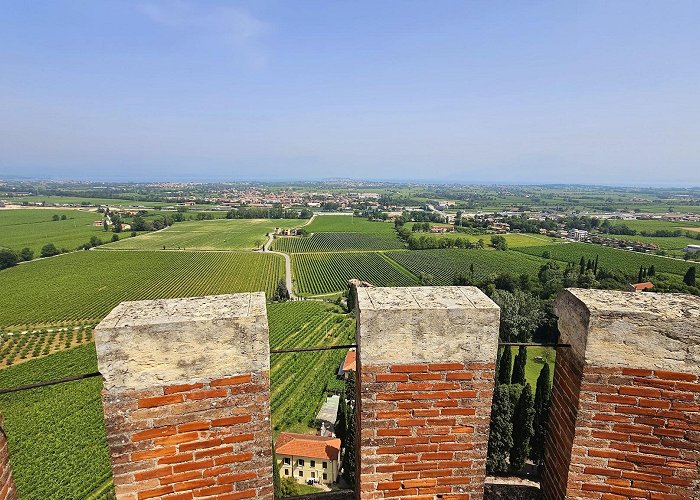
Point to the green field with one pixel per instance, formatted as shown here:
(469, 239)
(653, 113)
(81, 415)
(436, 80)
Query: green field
(655, 225)
(56, 434)
(516, 240)
(337, 242)
(442, 265)
(34, 228)
(87, 285)
(220, 234)
(77, 200)
(348, 224)
(609, 258)
(300, 381)
(323, 273)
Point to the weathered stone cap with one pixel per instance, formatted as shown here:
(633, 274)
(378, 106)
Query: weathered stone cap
(169, 341)
(640, 330)
(426, 324)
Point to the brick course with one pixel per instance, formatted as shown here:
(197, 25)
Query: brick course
(424, 429)
(204, 440)
(637, 435)
(7, 485)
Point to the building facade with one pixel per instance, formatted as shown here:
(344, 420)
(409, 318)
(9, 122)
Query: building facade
(308, 458)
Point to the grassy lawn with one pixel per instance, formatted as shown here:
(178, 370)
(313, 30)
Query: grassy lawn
(34, 228)
(348, 224)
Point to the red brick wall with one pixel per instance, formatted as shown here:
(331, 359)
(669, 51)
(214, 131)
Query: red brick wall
(637, 435)
(192, 441)
(7, 485)
(424, 430)
(562, 423)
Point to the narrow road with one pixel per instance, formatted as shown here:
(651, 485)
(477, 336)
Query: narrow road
(287, 264)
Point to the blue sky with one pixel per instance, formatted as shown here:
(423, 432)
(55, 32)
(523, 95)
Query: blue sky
(471, 91)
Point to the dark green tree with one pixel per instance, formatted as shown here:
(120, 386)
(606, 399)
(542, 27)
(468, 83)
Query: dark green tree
(349, 457)
(281, 292)
(55, 217)
(652, 271)
(543, 396)
(640, 277)
(582, 265)
(519, 366)
(505, 365)
(49, 250)
(8, 258)
(523, 417)
(500, 432)
(521, 315)
(689, 278)
(26, 254)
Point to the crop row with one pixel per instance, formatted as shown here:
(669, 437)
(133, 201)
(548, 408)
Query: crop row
(439, 267)
(87, 285)
(611, 259)
(329, 272)
(17, 347)
(337, 242)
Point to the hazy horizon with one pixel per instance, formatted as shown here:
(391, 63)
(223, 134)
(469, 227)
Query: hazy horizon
(535, 92)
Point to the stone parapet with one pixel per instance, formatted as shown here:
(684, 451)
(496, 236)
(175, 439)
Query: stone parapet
(7, 485)
(426, 361)
(625, 415)
(187, 397)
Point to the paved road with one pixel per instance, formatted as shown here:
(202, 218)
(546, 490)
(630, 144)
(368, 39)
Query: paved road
(287, 264)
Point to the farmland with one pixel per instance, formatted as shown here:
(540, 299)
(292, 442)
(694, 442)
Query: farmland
(70, 460)
(33, 228)
(324, 273)
(17, 347)
(442, 265)
(348, 224)
(300, 381)
(85, 286)
(337, 242)
(220, 234)
(609, 258)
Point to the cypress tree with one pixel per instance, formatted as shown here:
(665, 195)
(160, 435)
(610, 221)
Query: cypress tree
(349, 459)
(543, 396)
(501, 431)
(640, 277)
(589, 265)
(595, 266)
(523, 430)
(689, 278)
(519, 366)
(505, 366)
(652, 270)
(582, 265)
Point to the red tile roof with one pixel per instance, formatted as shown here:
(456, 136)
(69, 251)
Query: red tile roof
(306, 445)
(350, 361)
(643, 286)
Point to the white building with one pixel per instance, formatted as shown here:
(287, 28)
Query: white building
(692, 248)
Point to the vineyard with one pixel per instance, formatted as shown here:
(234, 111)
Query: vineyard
(323, 273)
(85, 286)
(35, 228)
(611, 259)
(301, 381)
(219, 234)
(337, 242)
(16, 347)
(442, 265)
(348, 224)
(56, 434)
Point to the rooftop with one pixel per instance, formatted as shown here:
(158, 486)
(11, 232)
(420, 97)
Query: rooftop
(306, 445)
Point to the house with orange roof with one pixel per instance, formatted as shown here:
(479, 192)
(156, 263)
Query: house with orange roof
(307, 457)
(349, 364)
(640, 287)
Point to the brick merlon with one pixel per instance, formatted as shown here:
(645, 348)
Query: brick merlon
(622, 329)
(154, 343)
(426, 324)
